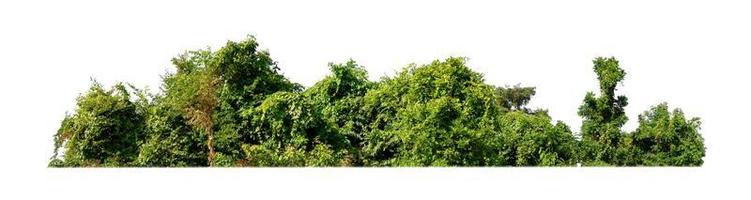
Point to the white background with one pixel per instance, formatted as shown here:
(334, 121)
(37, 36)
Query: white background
(693, 54)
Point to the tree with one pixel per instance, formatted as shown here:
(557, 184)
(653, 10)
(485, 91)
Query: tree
(312, 128)
(106, 130)
(338, 99)
(200, 111)
(246, 76)
(290, 130)
(531, 140)
(437, 114)
(666, 138)
(180, 123)
(603, 115)
(171, 140)
(209, 90)
(514, 98)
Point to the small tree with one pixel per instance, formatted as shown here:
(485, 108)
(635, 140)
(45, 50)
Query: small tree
(514, 98)
(531, 140)
(105, 130)
(667, 138)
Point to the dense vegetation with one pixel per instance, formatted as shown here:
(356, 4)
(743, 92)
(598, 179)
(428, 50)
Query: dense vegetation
(232, 107)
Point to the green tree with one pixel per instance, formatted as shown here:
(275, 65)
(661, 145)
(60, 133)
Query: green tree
(339, 98)
(106, 130)
(171, 141)
(318, 127)
(603, 115)
(246, 76)
(531, 140)
(440, 114)
(291, 134)
(514, 98)
(180, 124)
(666, 138)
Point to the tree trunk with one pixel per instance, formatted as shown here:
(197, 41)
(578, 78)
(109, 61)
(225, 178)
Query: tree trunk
(210, 143)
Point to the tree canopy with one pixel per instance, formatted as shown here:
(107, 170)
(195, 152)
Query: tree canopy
(603, 115)
(233, 108)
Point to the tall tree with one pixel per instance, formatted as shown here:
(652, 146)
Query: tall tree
(603, 115)
(246, 76)
(200, 110)
(191, 91)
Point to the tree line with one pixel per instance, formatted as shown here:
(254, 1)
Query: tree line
(232, 108)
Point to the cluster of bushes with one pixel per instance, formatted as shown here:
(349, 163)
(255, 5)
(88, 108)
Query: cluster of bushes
(231, 107)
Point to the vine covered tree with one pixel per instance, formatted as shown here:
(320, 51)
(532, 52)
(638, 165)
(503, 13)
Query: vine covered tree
(233, 107)
(180, 126)
(246, 76)
(106, 129)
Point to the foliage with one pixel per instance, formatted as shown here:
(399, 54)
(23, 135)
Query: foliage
(338, 100)
(603, 115)
(174, 139)
(171, 141)
(437, 114)
(246, 76)
(291, 130)
(514, 98)
(106, 129)
(668, 138)
(531, 140)
(232, 107)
